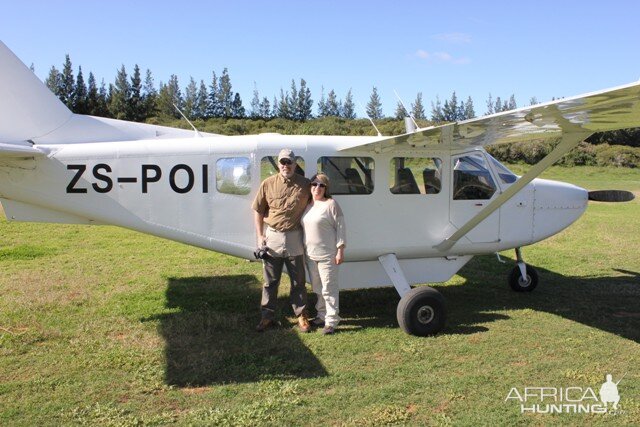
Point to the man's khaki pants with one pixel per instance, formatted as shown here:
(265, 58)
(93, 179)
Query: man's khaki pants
(272, 274)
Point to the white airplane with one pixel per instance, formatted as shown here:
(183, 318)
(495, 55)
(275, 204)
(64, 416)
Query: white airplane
(418, 206)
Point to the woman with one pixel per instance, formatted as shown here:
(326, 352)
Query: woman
(324, 240)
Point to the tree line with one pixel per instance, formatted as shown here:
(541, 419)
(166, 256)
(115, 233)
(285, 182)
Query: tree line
(130, 97)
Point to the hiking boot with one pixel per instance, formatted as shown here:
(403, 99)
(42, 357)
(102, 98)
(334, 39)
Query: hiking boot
(303, 323)
(264, 325)
(318, 322)
(328, 330)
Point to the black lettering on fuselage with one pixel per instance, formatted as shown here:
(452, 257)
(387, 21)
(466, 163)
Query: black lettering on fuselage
(172, 178)
(99, 176)
(71, 188)
(182, 178)
(146, 178)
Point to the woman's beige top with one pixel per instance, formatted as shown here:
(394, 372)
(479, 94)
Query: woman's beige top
(324, 229)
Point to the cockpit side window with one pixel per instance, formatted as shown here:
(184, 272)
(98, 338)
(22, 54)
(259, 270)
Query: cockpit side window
(471, 178)
(269, 166)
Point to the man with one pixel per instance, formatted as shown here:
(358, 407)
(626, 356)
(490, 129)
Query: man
(280, 203)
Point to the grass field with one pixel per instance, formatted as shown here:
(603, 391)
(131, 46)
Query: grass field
(100, 325)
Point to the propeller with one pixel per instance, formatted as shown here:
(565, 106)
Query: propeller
(611, 196)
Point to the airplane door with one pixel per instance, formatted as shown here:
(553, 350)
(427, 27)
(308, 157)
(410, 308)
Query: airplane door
(473, 187)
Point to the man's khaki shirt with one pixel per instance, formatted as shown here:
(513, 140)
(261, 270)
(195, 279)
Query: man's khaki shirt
(282, 201)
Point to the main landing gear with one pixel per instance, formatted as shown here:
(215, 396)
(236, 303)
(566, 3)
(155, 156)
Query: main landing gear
(421, 310)
(523, 277)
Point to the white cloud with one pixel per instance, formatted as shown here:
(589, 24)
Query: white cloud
(441, 57)
(456, 38)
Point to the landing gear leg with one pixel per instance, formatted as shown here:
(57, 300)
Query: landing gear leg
(523, 277)
(421, 311)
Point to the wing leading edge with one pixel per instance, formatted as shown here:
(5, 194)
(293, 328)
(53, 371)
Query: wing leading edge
(610, 109)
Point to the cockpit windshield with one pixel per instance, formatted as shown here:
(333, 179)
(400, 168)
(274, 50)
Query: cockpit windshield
(506, 176)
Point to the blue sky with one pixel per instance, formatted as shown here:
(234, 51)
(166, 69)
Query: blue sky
(544, 49)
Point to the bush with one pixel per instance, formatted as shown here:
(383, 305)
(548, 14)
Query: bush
(618, 155)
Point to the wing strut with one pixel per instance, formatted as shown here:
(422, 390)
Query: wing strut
(568, 141)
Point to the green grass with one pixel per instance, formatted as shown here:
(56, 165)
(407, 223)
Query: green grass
(99, 325)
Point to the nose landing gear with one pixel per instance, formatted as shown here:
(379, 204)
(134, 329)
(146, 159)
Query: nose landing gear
(523, 277)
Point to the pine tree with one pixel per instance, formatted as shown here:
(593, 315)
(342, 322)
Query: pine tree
(119, 105)
(92, 95)
(333, 105)
(322, 104)
(417, 109)
(54, 82)
(349, 108)
(498, 105)
(460, 112)
(450, 109)
(255, 103)
(265, 109)
(190, 99)
(512, 103)
(170, 97)
(237, 110)
(469, 112)
(533, 100)
(102, 108)
(292, 101)
(80, 95)
(275, 112)
(67, 87)
(202, 105)
(284, 111)
(490, 109)
(437, 114)
(305, 103)
(225, 94)
(401, 112)
(374, 106)
(215, 109)
(136, 106)
(149, 96)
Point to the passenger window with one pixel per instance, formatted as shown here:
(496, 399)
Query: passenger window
(233, 175)
(415, 175)
(269, 166)
(348, 175)
(471, 178)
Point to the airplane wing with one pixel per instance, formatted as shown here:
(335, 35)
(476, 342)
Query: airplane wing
(610, 109)
(19, 150)
(569, 120)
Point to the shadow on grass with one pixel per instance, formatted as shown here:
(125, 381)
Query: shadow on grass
(610, 303)
(210, 338)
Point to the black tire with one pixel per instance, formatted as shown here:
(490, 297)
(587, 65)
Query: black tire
(422, 312)
(519, 285)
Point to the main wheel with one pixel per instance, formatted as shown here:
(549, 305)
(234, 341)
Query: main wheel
(519, 284)
(421, 312)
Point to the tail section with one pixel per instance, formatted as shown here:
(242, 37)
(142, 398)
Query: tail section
(28, 109)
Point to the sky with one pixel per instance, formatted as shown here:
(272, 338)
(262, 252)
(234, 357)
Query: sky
(541, 49)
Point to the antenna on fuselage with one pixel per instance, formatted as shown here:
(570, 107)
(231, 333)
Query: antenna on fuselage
(409, 129)
(372, 124)
(197, 135)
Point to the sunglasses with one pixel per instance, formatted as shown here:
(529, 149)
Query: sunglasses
(286, 162)
(318, 184)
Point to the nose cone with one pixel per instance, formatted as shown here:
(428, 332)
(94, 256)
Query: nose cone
(556, 205)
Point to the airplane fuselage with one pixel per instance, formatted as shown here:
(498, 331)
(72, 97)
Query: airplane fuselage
(199, 191)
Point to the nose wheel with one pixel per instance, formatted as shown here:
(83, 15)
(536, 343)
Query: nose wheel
(523, 277)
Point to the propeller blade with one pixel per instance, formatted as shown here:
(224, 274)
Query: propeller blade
(611, 196)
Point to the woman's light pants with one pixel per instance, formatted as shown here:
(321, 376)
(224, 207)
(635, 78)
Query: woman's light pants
(324, 282)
